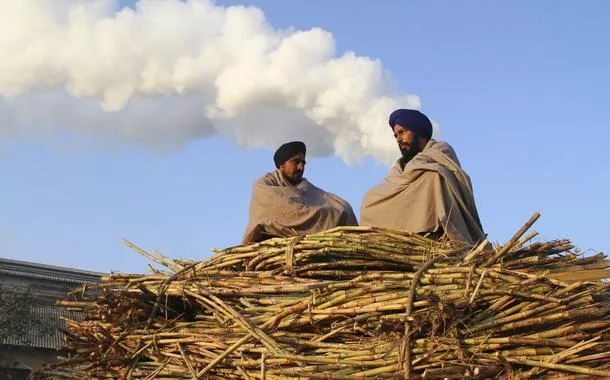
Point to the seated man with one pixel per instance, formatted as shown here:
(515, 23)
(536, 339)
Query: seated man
(284, 203)
(426, 191)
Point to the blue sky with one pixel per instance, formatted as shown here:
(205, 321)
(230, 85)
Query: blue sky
(519, 88)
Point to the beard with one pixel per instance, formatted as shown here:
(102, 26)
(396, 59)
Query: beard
(407, 155)
(295, 178)
(409, 151)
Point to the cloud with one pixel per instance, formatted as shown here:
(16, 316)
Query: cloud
(167, 72)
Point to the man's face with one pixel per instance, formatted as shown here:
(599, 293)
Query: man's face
(409, 143)
(294, 168)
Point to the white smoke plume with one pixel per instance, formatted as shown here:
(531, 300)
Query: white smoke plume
(171, 71)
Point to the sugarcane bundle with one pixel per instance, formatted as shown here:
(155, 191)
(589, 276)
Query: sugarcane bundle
(350, 303)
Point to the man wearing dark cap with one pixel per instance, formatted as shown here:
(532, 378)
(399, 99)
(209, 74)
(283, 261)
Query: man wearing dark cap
(284, 203)
(426, 191)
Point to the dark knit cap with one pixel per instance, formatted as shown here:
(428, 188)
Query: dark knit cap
(412, 120)
(288, 150)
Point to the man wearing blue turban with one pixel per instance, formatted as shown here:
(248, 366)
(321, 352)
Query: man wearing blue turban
(284, 203)
(426, 191)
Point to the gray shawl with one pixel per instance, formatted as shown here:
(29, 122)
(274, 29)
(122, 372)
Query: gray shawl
(430, 193)
(278, 208)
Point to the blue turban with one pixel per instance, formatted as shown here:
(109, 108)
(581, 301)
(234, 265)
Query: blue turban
(412, 120)
(287, 151)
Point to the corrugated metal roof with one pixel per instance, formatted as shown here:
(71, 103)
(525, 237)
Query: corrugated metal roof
(25, 269)
(47, 336)
(55, 281)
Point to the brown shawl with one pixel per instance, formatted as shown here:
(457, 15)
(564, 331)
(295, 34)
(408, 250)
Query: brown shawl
(279, 208)
(432, 193)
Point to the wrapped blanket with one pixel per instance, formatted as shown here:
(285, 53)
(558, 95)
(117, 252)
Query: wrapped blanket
(432, 193)
(279, 208)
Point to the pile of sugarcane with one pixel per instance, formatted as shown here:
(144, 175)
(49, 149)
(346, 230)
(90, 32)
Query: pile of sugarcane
(350, 303)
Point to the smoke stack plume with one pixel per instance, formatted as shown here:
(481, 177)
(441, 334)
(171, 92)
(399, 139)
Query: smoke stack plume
(167, 72)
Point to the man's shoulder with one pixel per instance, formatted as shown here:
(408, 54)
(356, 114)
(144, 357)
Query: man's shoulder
(269, 179)
(306, 185)
(434, 147)
(440, 145)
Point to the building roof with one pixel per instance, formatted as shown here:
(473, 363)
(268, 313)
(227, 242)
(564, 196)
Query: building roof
(43, 330)
(24, 269)
(50, 283)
